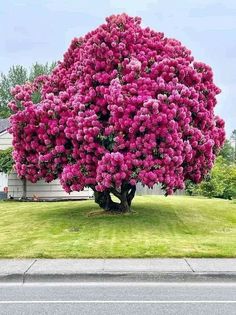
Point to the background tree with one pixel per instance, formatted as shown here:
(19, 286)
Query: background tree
(233, 139)
(6, 161)
(38, 69)
(221, 182)
(18, 75)
(227, 152)
(126, 105)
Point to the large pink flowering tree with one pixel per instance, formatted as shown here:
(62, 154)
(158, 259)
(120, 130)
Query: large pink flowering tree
(126, 105)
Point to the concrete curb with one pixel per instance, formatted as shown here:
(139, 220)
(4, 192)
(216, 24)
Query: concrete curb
(133, 277)
(81, 270)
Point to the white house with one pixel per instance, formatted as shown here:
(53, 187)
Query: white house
(41, 190)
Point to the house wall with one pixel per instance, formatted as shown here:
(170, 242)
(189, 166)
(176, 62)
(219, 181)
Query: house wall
(3, 181)
(3, 184)
(43, 190)
(5, 143)
(144, 190)
(5, 140)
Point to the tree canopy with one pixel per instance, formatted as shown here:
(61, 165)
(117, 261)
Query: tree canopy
(228, 152)
(126, 105)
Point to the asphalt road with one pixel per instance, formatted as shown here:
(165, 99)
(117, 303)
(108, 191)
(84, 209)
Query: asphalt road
(118, 298)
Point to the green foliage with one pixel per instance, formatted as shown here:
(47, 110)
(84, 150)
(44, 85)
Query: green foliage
(38, 69)
(36, 97)
(227, 152)
(19, 75)
(190, 188)
(16, 75)
(107, 141)
(233, 141)
(233, 136)
(220, 183)
(6, 160)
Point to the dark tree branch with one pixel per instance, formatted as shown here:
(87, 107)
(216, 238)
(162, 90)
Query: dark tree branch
(115, 192)
(131, 195)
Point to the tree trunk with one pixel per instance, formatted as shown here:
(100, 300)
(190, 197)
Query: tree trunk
(126, 195)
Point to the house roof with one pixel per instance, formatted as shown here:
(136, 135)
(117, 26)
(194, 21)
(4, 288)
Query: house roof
(4, 124)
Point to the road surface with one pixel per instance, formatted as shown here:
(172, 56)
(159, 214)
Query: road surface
(118, 298)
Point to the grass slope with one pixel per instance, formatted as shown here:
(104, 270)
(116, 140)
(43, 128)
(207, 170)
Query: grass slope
(159, 227)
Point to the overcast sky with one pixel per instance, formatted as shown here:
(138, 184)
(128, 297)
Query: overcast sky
(41, 31)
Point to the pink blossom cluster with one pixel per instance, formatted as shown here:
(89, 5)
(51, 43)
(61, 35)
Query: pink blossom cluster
(125, 105)
(72, 178)
(112, 171)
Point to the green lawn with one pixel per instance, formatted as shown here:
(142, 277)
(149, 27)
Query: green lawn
(158, 227)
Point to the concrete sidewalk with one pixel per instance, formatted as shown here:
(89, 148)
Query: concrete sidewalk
(70, 270)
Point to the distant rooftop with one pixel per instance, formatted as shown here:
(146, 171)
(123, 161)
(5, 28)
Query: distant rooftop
(4, 124)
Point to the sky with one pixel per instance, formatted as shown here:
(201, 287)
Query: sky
(41, 31)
